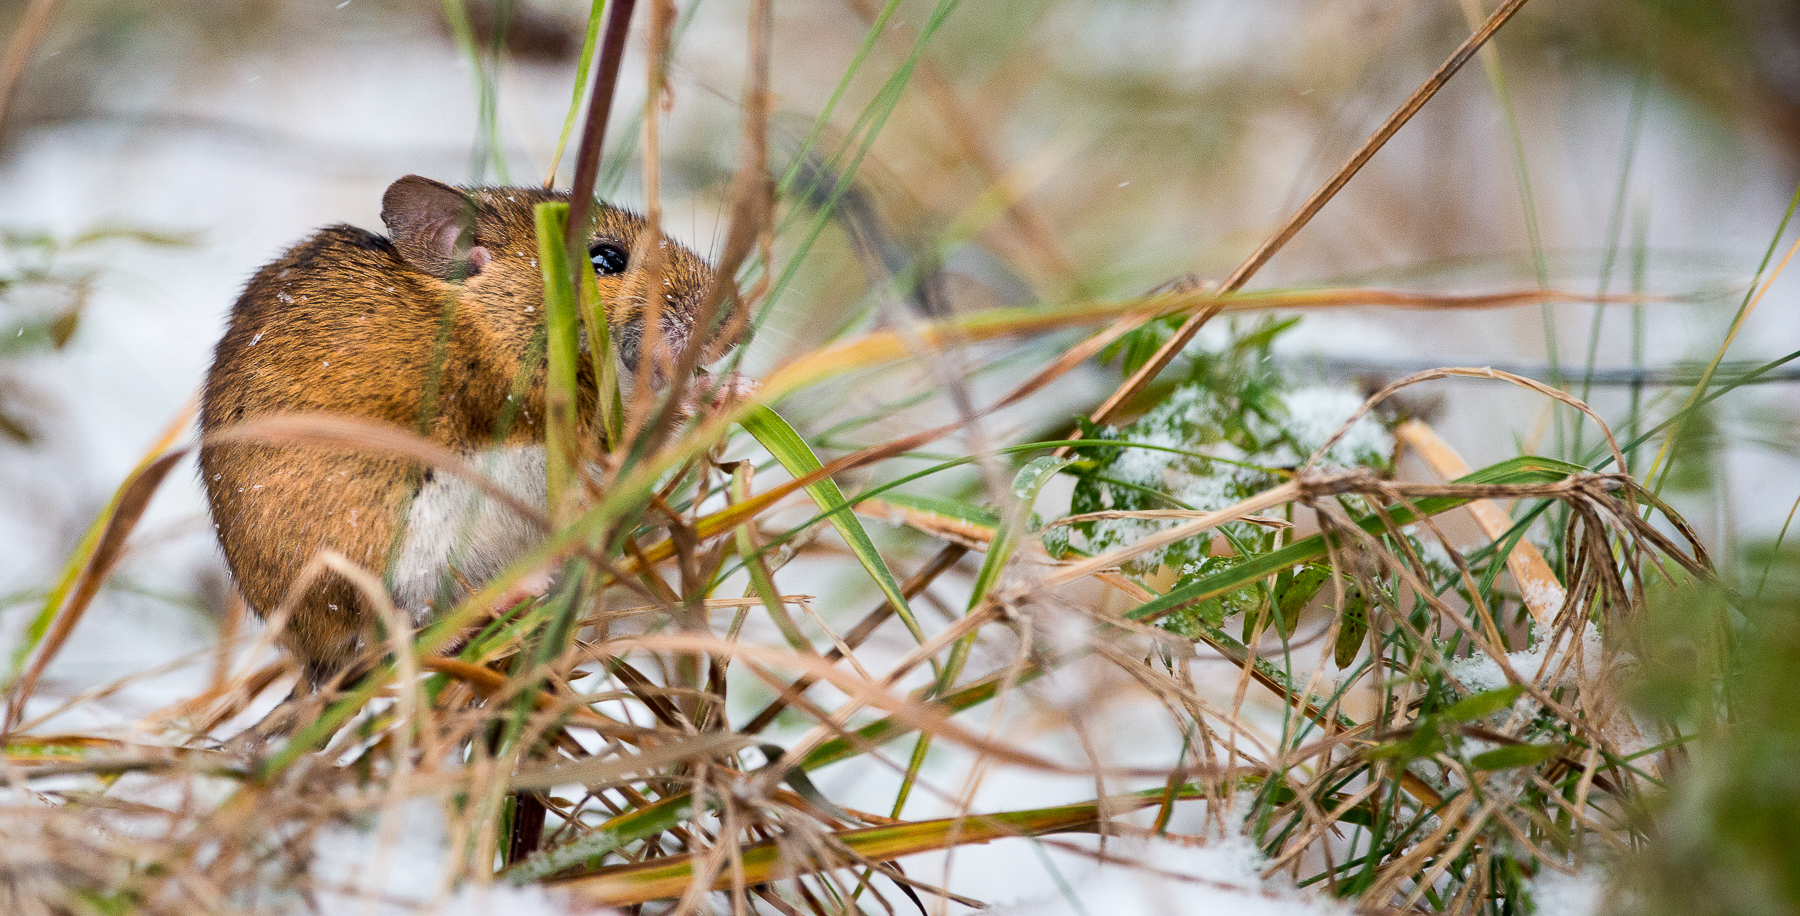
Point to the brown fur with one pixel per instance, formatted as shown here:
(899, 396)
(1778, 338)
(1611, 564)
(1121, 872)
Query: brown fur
(347, 322)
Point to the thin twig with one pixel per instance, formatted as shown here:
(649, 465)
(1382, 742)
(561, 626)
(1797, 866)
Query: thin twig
(587, 155)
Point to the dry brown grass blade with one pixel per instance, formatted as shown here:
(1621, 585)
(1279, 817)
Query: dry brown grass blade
(944, 528)
(1245, 662)
(1542, 591)
(1274, 496)
(595, 771)
(1486, 372)
(1544, 595)
(1261, 521)
(1595, 583)
(220, 703)
(54, 749)
(1409, 300)
(751, 219)
(880, 348)
(862, 694)
(1426, 90)
(134, 498)
(492, 683)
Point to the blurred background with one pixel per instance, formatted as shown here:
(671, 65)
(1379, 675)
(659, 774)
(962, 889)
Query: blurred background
(154, 154)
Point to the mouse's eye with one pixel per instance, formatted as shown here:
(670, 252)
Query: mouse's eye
(608, 258)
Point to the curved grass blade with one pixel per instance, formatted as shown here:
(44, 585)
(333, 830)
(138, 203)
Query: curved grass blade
(128, 506)
(797, 457)
(616, 833)
(89, 564)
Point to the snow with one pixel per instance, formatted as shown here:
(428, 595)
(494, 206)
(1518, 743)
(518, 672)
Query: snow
(1542, 593)
(1187, 421)
(1479, 672)
(1161, 876)
(1317, 412)
(363, 876)
(1560, 894)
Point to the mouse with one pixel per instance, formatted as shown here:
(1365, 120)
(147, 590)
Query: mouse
(435, 327)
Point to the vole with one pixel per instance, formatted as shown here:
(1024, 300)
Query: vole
(427, 330)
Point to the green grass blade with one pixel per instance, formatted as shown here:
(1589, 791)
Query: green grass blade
(762, 583)
(611, 404)
(583, 64)
(1025, 487)
(955, 510)
(868, 126)
(1658, 473)
(616, 833)
(797, 457)
(487, 90)
(560, 322)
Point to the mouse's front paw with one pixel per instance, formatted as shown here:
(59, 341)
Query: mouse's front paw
(714, 393)
(530, 586)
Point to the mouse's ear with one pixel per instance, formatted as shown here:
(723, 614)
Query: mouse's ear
(433, 225)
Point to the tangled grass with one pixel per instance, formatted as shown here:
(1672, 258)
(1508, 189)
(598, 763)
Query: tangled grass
(1421, 705)
(1446, 729)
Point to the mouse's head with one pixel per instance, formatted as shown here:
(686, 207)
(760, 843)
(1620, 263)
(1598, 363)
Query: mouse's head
(485, 240)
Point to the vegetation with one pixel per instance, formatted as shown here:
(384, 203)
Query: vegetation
(1412, 684)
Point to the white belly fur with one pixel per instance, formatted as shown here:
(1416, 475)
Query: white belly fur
(453, 525)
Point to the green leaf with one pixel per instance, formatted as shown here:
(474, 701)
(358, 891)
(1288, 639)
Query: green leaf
(1353, 625)
(1293, 599)
(797, 457)
(1484, 704)
(1514, 755)
(1422, 742)
(1213, 611)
